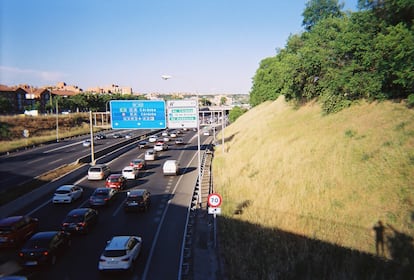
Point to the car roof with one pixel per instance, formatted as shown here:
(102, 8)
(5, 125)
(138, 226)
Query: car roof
(10, 220)
(78, 211)
(65, 187)
(117, 243)
(170, 161)
(101, 190)
(44, 234)
(115, 175)
(136, 192)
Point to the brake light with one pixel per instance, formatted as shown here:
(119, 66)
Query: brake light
(81, 224)
(125, 259)
(65, 224)
(21, 254)
(45, 253)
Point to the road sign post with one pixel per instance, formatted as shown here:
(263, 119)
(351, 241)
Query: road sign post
(214, 201)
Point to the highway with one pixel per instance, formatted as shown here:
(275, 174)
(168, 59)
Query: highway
(162, 227)
(22, 166)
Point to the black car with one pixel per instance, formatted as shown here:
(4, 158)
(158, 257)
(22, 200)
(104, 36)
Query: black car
(102, 196)
(80, 220)
(44, 247)
(100, 136)
(138, 199)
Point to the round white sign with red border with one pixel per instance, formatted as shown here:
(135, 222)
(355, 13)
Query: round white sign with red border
(214, 200)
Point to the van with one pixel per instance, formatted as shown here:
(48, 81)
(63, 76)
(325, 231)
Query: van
(98, 172)
(171, 167)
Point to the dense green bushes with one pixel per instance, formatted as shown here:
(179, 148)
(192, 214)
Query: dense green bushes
(343, 57)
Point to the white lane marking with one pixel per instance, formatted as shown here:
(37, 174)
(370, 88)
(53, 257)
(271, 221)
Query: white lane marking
(157, 233)
(62, 147)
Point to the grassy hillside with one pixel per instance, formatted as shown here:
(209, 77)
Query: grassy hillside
(302, 192)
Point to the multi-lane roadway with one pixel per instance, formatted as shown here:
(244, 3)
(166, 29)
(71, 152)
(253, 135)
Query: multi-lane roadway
(162, 227)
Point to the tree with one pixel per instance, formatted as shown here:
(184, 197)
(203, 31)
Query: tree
(223, 100)
(235, 113)
(317, 10)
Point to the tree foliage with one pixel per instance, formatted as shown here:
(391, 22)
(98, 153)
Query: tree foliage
(235, 113)
(317, 10)
(341, 59)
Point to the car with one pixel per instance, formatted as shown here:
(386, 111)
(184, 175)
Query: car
(67, 194)
(102, 197)
(116, 181)
(206, 133)
(100, 136)
(173, 134)
(98, 172)
(179, 141)
(138, 163)
(86, 143)
(120, 252)
(14, 230)
(80, 220)
(171, 167)
(164, 133)
(44, 247)
(130, 172)
(128, 136)
(153, 138)
(160, 146)
(151, 154)
(143, 145)
(117, 135)
(166, 139)
(137, 199)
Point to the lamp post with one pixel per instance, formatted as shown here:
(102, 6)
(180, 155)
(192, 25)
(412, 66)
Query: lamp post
(57, 120)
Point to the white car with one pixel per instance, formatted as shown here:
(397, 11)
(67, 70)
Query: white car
(120, 252)
(173, 134)
(67, 194)
(153, 138)
(150, 154)
(160, 147)
(130, 172)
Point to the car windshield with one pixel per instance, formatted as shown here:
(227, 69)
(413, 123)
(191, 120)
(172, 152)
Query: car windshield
(95, 170)
(127, 170)
(114, 253)
(113, 179)
(135, 198)
(74, 219)
(5, 230)
(38, 243)
(62, 192)
(100, 194)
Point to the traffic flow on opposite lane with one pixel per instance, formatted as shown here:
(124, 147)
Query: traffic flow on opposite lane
(107, 207)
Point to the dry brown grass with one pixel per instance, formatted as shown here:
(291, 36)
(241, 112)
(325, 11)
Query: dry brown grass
(328, 178)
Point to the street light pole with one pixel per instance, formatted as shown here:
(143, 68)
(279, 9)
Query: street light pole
(92, 146)
(57, 120)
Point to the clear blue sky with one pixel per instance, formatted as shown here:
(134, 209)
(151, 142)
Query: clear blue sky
(210, 46)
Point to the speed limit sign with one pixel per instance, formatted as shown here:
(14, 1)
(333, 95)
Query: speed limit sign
(214, 200)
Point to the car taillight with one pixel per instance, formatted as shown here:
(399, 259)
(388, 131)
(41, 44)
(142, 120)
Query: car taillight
(45, 253)
(81, 224)
(125, 259)
(106, 198)
(101, 260)
(65, 224)
(21, 254)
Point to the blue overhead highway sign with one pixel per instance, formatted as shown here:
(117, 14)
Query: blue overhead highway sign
(137, 114)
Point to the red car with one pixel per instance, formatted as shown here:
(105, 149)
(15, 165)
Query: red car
(138, 163)
(116, 181)
(16, 229)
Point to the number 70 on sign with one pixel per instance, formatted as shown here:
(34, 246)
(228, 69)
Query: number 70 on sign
(214, 200)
